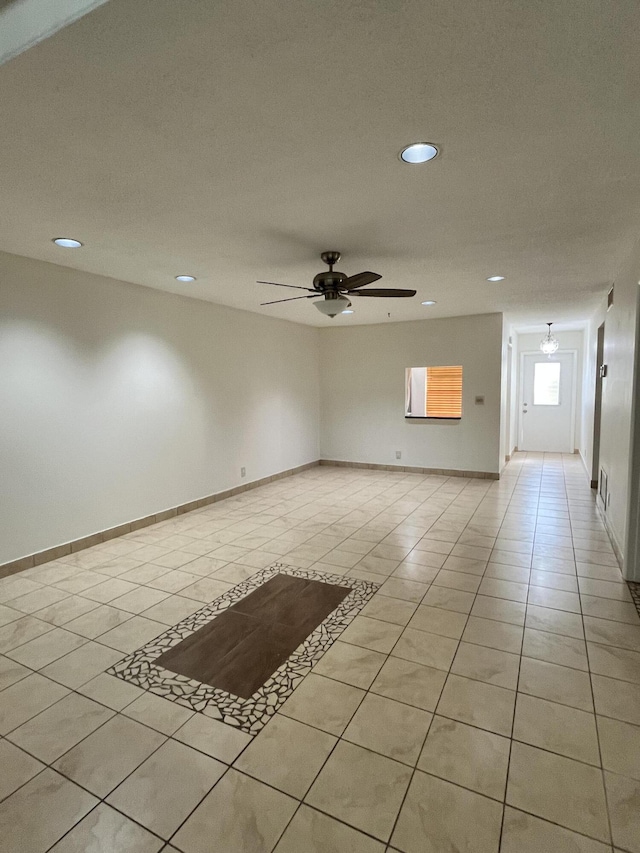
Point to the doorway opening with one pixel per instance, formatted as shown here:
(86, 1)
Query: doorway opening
(547, 419)
(597, 409)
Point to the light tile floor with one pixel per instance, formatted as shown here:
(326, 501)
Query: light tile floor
(487, 698)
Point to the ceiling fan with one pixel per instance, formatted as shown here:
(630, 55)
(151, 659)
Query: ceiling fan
(333, 286)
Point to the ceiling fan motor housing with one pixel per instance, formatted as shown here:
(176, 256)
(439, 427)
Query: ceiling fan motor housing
(328, 280)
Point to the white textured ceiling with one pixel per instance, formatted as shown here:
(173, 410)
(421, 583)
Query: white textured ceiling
(235, 140)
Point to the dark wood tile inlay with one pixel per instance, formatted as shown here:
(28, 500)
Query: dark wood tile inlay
(239, 649)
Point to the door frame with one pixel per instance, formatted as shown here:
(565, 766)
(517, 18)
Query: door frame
(574, 396)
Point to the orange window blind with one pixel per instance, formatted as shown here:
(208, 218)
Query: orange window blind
(444, 392)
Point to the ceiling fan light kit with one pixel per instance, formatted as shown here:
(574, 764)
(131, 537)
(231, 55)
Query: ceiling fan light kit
(333, 286)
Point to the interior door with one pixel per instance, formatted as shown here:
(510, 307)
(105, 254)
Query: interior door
(547, 402)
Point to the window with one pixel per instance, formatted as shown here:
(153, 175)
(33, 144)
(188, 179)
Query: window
(546, 383)
(434, 392)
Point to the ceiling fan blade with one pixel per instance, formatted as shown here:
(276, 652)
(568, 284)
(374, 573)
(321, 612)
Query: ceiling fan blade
(277, 284)
(291, 299)
(359, 280)
(384, 292)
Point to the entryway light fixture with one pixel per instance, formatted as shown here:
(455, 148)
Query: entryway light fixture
(185, 278)
(549, 344)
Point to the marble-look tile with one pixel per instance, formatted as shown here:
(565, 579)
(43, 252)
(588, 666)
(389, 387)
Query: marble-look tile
(608, 608)
(78, 667)
(361, 788)
(158, 713)
(132, 634)
(449, 599)
(554, 599)
(554, 580)
(350, 664)
(41, 812)
(389, 609)
(238, 815)
(36, 600)
(523, 833)
(107, 590)
(617, 699)
(286, 754)
(468, 756)
(45, 649)
(110, 691)
(558, 728)
(61, 726)
(558, 789)
(98, 621)
(504, 589)
(25, 699)
(324, 703)
(556, 683)
(610, 633)
(493, 634)
(139, 599)
(66, 610)
(373, 634)
(172, 610)
(623, 796)
(555, 648)
(485, 664)
(438, 816)
(165, 789)
(389, 727)
(409, 682)
(427, 649)
(406, 590)
(512, 612)
(604, 589)
(206, 589)
(554, 621)
(620, 746)
(479, 704)
(17, 768)
(457, 580)
(218, 740)
(435, 620)
(105, 830)
(11, 671)
(310, 830)
(21, 631)
(109, 755)
(614, 662)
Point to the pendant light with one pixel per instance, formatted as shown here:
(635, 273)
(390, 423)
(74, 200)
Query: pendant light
(549, 344)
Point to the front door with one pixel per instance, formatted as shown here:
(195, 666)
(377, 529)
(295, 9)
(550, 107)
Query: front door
(547, 402)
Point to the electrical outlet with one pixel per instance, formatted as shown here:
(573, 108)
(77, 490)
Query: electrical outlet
(243, 472)
(398, 454)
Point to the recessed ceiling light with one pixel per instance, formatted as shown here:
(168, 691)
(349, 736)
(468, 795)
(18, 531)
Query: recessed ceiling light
(429, 302)
(67, 243)
(347, 311)
(419, 152)
(185, 278)
(496, 278)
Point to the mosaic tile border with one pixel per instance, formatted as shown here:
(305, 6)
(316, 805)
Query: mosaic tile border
(252, 714)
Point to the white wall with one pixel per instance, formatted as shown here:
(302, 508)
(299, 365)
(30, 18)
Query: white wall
(569, 340)
(363, 393)
(617, 398)
(117, 401)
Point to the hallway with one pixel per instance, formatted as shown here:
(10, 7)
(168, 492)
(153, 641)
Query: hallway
(485, 698)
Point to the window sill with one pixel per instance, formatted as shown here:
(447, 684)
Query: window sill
(425, 418)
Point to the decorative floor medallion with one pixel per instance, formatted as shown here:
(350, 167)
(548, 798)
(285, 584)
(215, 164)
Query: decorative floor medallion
(277, 611)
